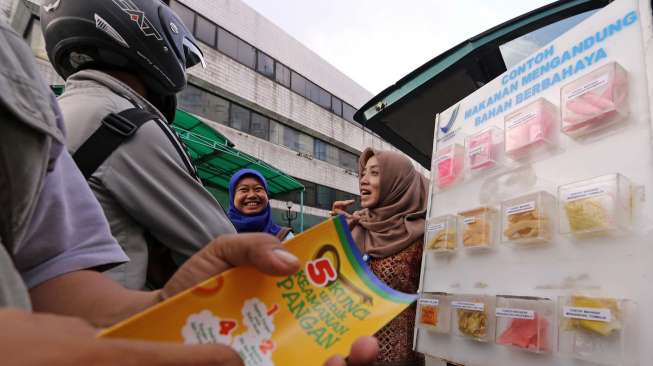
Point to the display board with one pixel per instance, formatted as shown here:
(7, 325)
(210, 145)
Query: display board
(539, 236)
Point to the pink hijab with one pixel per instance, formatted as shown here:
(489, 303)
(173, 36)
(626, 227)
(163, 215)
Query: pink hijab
(397, 221)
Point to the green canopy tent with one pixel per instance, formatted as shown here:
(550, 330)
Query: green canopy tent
(216, 159)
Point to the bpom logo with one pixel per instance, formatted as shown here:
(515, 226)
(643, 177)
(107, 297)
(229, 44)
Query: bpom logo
(138, 16)
(452, 119)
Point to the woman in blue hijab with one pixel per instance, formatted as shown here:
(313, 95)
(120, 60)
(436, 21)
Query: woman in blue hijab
(249, 206)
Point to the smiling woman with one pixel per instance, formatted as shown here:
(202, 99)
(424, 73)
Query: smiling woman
(389, 230)
(249, 206)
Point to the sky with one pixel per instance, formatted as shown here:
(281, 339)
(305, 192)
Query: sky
(377, 42)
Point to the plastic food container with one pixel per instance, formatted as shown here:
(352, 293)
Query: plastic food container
(531, 131)
(528, 219)
(473, 317)
(477, 227)
(434, 312)
(597, 206)
(597, 329)
(484, 150)
(449, 165)
(595, 101)
(442, 234)
(526, 323)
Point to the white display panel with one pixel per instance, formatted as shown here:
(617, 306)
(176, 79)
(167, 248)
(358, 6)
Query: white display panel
(611, 265)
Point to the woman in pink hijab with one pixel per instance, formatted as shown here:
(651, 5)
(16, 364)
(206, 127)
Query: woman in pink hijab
(389, 231)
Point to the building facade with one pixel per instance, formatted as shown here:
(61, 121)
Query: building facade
(268, 93)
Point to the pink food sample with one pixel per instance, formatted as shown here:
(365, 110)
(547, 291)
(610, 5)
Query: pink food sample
(529, 128)
(484, 149)
(449, 165)
(594, 101)
(527, 333)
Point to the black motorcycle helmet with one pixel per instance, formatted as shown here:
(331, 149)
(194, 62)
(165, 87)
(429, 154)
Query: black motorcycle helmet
(141, 36)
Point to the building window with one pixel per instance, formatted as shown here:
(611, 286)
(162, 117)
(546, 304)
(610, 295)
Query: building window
(227, 43)
(336, 106)
(239, 118)
(298, 84)
(320, 150)
(205, 31)
(348, 161)
(205, 104)
(276, 133)
(186, 15)
(282, 75)
(324, 99)
(290, 138)
(348, 112)
(246, 54)
(333, 155)
(305, 144)
(309, 193)
(325, 197)
(264, 64)
(260, 126)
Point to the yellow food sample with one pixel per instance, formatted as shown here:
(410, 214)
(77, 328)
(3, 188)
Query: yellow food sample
(599, 327)
(429, 315)
(472, 323)
(477, 229)
(587, 215)
(525, 225)
(444, 239)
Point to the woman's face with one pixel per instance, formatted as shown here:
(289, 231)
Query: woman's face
(250, 197)
(369, 183)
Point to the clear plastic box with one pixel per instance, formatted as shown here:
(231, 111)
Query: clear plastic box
(531, 131)
(434, 312)
(528, 219)
(597, 206)
(526, 323)
(478, 227)
(442, 234)
(598, 330)
(594, 101)
(449, 165)
(473, 317)
(484, 150)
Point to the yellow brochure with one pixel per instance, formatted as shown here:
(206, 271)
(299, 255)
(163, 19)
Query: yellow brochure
(301, 319)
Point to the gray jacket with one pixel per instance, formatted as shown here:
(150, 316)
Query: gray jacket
(144, 184)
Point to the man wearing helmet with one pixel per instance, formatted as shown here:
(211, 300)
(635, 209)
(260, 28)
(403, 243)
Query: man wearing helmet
(120, 57)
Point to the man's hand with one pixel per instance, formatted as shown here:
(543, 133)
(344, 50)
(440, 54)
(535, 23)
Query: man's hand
(261, 251)
(28, 339)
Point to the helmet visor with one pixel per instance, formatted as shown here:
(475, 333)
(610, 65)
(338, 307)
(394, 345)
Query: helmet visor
(192, 54)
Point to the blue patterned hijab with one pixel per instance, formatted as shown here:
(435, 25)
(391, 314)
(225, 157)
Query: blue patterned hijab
(261, 222)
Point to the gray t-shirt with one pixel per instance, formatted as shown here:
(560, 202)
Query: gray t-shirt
(50, 223)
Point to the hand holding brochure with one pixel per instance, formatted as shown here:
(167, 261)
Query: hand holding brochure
(303, 318)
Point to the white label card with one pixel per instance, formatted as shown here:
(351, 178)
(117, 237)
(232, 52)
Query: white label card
(584, 193)
(445, 157)
(520, 119)
(476, 151)
(436, 227)
(515, 313)
(588, 87)
(597, 314)
(521, 208)
(469, 220)
(429, 302)
(465, 305)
